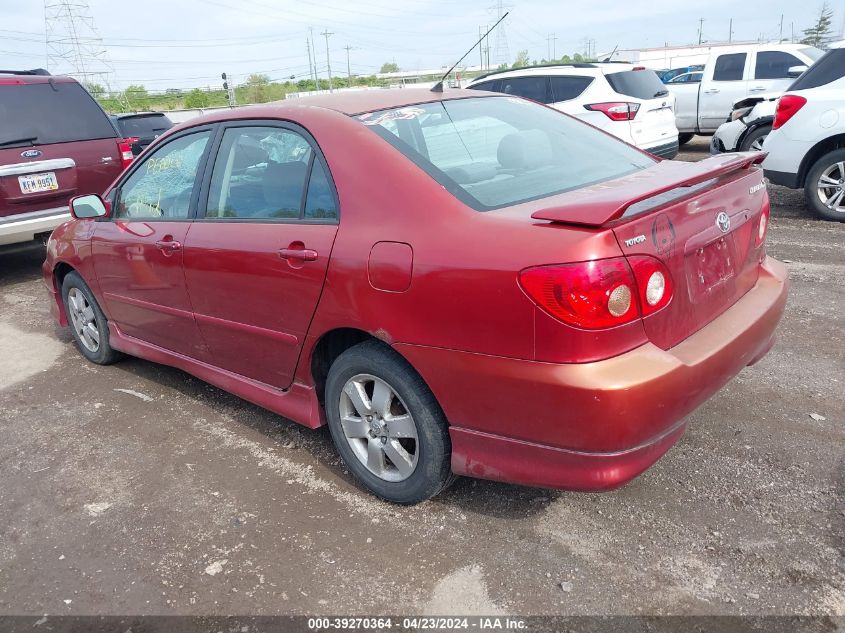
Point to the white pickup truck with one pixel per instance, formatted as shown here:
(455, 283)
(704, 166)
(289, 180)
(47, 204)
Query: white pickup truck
(733, 73)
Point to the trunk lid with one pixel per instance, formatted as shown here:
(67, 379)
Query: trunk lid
(700, 220)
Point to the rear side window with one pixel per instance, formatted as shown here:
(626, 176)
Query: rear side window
(640, 84)
(729, 67)
(774, 65)
(491, 152)
(534, 88)
(568, 88)
(828, 69)
(143, 126)
(57, 112)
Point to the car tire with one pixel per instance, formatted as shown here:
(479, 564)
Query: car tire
(684, 138)
(831, 168)
(387, 425)
(87, 322)
(753, 142)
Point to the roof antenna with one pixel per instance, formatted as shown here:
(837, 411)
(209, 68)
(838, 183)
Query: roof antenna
(612, 53)
(438, 87)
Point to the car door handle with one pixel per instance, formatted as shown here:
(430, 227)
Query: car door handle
(169, 246)
(757, 89)
(304, 254)
(711, 91)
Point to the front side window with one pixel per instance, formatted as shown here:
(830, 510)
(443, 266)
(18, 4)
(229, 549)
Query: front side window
(492, 152)
(775, 64)
(729, 67)
(162, 186)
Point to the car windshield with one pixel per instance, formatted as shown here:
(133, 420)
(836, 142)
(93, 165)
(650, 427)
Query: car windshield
(149, 125)
(493, 152)
(45, 113)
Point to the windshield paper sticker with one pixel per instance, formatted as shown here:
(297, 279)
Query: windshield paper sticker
(391, 115)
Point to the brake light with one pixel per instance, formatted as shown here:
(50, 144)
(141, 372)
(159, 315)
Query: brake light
(788, 105)
(126, 156)
(654, 283)
(132, 139)
(763, 225)
(616, 110)
(589, 295)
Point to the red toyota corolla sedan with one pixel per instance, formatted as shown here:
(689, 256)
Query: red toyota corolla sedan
(457, 284)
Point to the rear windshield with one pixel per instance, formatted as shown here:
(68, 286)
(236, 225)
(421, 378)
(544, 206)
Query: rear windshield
(640, 84)
(45, 113)
(829, 68)
(499, 151)
(143, 126)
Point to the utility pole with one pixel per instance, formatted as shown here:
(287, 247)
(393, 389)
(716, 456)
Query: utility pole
(550, 46)
(700, 30)
(348, 67)
(326, 34)
(731, 31)
(310, 67)
(480, 50)
(487, 47)
(314, 69)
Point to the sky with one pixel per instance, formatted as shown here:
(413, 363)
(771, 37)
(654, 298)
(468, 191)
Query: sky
(187, 43)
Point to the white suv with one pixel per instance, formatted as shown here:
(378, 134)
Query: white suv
(806, 146)
(627, 101)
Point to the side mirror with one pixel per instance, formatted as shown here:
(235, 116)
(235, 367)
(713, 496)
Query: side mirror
(796, 71)
(90, 206)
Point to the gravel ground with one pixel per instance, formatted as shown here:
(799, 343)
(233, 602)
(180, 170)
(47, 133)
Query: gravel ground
(138, 489)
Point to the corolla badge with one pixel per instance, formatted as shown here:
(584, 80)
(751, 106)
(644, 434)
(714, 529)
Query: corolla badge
(723, 221)
(31, 153)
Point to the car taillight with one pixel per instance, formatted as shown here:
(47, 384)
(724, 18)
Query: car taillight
(654, 283)
(616, 110)
(763, 225)
(788, 105)
(126, 156)
(589, 295)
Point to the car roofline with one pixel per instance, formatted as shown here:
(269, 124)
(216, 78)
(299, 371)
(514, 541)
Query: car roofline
(580, 65)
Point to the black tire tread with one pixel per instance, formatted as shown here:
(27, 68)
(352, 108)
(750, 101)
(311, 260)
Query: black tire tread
(813, 174)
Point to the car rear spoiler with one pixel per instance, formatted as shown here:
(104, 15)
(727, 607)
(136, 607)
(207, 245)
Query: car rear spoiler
(602, 203)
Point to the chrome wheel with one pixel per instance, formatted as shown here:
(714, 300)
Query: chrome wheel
(831, 187)
(379, 428)
(83, 319)
(757, 144)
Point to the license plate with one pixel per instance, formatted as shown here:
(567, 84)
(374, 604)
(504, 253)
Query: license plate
(36, 183)
(711, 267)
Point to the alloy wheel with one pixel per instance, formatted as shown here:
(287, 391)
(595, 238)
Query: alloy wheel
(84, 320)
(831, 187)
(379, 427)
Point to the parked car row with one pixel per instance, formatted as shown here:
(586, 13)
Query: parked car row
(56, 142)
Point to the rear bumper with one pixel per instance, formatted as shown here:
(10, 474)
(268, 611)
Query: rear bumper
(666, 150)
(592, 426)
(24, 227)
(782, 178)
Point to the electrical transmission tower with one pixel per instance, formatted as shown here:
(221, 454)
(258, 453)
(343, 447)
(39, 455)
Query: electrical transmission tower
(501, 53)
(74, 45)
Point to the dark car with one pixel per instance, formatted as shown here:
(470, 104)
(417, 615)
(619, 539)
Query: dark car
(139, 129)
(56, 142)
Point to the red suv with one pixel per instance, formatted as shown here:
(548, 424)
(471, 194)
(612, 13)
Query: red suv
(461, 283)
(55, 142)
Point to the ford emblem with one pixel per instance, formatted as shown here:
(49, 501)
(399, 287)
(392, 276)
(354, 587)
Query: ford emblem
(723, 221)
(31, 153)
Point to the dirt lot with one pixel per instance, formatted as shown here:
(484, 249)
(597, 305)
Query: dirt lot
(138, 489)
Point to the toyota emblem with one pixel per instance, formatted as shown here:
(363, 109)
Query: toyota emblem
(723, 221)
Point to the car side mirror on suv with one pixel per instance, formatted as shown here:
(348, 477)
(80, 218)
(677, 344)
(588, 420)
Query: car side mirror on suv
(88, 206)
(796, 71)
